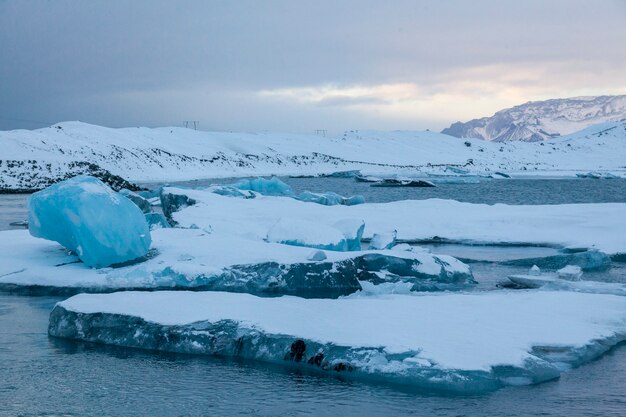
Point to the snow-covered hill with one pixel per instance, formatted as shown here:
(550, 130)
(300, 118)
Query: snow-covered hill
(32, 159)
(541, 120)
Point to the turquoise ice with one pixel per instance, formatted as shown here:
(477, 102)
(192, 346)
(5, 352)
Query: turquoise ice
(84, 215)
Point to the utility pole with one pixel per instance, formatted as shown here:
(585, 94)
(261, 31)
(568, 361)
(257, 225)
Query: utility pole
(191, 124)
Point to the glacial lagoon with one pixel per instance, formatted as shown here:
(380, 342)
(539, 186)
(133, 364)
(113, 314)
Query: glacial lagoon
(45, 376)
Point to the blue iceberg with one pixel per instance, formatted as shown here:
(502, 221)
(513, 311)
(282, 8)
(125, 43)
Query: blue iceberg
(157, 220)
(271, 187)
(352, 230)
(277, 188)
(84, 215)
(139, 201)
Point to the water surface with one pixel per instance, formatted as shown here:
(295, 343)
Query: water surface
(45, 376)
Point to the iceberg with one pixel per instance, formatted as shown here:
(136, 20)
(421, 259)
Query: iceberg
(402, 182)
(274, 187)
(589, 260)
(156, 220)
(297, 232)
(194, 259)
(352, 230)
(598, 226)
(139, 201)
(173, 200)
(271, 187)
(330, 199)
(87, 217)
(570, 272)
(420, 270)
(385, 240)
(450, 342)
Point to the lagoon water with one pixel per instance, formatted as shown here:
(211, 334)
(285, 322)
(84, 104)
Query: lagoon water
(45, 376)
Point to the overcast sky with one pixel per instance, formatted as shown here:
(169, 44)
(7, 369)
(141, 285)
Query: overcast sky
(300, 65)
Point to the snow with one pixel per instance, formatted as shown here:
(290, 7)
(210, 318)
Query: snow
(570, 272)
(298, 232)
(543, 120)
(478, 332)
(193, 258)
(383, 240)
(598, 226)
(88, 218)
(169, 154)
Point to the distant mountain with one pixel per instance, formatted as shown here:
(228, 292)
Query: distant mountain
(542, 120)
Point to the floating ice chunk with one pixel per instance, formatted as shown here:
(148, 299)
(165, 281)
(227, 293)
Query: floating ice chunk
(271, 187)
(403, 182)
(397, 338)
(343, 174)
(383, 240)
(423, 271)
(88, 218)
(352, 229)
(330, 199)
(232, 191)
(156, 192)
(317, 255)
(354, 200)
(403, 247)
(326, 199)
(156, 220)
(140, 201)
(298, 232)
(571, 273)
(534, 271)
(597, 175)
(173, 200)
(590, 260)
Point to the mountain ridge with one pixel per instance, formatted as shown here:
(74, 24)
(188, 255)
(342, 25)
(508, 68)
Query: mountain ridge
(536, 121)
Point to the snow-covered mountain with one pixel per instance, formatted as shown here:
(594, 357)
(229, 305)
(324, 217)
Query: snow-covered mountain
(542, 120)
(32, 159)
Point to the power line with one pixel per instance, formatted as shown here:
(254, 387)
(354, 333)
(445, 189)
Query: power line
(191, 124)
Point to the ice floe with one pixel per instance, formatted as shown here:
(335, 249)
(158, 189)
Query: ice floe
(597, 226)
(458, 342)
(194, 258)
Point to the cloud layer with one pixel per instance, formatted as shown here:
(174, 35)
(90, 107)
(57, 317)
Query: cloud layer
(299, 66)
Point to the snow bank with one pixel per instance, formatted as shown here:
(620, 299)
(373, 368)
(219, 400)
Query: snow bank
(469, 342)
(599, 226)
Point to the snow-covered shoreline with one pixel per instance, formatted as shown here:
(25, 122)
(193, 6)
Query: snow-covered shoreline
(177, 154)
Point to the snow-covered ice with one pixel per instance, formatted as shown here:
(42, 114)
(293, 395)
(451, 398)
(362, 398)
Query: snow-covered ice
(459, 342)
(383, 240)
(598, 226)
(193, 258)
(88, 218)
(297, 232)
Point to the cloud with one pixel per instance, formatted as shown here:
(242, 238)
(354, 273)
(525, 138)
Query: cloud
(294, 65)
